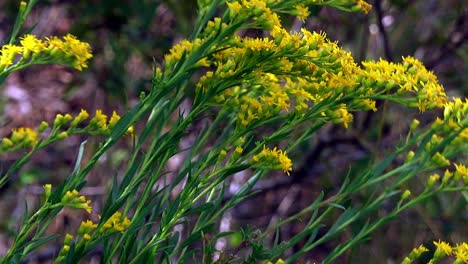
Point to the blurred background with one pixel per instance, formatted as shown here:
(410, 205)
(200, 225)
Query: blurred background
(129, 37)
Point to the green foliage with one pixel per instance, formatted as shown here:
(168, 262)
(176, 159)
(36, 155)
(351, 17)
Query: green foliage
(247, 98)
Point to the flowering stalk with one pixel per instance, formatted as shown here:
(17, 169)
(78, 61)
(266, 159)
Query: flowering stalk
(253, 97)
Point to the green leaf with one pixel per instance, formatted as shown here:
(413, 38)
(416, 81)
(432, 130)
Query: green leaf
(25, 212)
(345, 219)
(35, 243)
(199, 209)
(77, 167)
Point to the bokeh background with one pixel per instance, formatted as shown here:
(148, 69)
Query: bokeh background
(129, 37)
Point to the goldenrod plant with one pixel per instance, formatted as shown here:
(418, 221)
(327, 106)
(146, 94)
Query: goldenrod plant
(255, 100)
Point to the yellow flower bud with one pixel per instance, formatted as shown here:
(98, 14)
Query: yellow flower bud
(66, 248)
(222, 155)
(410, 156)
(23, 5)
(239, 150)
(42, 127)
(405, 195)
(47, 190)
(447, 176)
(432, 180)
(414, 125)
(68, 239)
(113, 120)
(6, 143)
(440, 160)
(83, 115)
(62, 135)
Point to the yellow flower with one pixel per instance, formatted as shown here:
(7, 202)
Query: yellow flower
(344, 116)
(234, 8)
(99, 121)
(178, 50)
(86, 227)
(461, 172)
(25, 136)
(274, 158)
(113, 120)
(55, 45)
(116, 223)
(239, 150)
(302, 12)
(415, 253)
(340, 115)
(83, 115)
(421, 249)
(443, 249)
(457, 109)
(71, 50)
(72, 199)
(269, 19)
(80, 51)
(461, 253)
(363, 6)
(7, 55)
(285, 162)
(32, 44)
(258, 44)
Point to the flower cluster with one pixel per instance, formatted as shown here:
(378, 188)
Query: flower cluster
(67, 241)
(453, 125)
(177, 52)
(409, 77)
(258, 78)
(443, 249)
(86, 228)
(259, 10)
(296, 74)
(415, 254)
(116, 223)
(265, 12)
(25, 137)
(288, 73)
(454, 122)
(67, 50)
(439, 155)
(457, 110)
(278, 86)
(71, 199)
(99, 124)
(272, 159)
